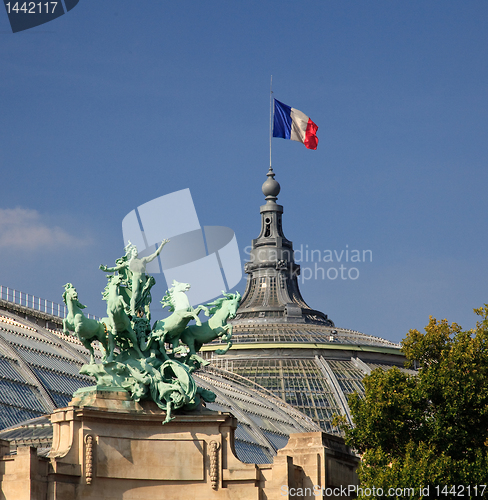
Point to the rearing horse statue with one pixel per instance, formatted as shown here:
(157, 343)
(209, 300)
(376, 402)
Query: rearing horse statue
(169, 330)
(87, 330)
(118, 320)
(194, 336)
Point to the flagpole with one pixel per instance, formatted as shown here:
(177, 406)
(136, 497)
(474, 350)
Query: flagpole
(270, 118)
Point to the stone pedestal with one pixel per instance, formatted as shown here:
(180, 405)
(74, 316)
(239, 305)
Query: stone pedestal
(107, 447)
(22, 476)
(328, 466)
(113, 448)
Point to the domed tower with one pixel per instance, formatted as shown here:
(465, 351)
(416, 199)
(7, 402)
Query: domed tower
(280, 343)
(272, 287)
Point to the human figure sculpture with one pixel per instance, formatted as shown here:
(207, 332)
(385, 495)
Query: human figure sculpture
(137, 272)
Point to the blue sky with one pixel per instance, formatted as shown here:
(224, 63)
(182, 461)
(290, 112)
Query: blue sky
(119, 102)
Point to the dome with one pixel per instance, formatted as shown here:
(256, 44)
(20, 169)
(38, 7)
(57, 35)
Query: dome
(282, 344)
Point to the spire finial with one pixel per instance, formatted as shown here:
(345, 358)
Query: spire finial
(271, 188)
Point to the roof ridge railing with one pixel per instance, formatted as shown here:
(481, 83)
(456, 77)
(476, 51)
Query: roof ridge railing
(36, 303)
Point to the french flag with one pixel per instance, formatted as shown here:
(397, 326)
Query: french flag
(289, 123)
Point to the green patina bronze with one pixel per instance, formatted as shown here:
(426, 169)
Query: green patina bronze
(170, 329)
(87, 330)
(194, 336)
(150, 363)
(132, 271)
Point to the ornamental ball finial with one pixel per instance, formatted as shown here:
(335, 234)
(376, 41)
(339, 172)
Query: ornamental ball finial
(271, 188)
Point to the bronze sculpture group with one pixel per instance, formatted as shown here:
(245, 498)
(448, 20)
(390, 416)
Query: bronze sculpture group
(150, 363)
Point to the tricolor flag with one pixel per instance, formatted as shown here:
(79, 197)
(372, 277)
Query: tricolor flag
(289, 123)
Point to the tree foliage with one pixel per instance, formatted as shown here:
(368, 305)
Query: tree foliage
(429, 428)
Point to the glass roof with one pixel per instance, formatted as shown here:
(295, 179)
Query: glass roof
(20, 395)
(263, 428)
(350, 377)
(271, 394)
(30, 342)
(299, 333)
(11, 415)
(10, 370)
(55, 363)
(60, 382)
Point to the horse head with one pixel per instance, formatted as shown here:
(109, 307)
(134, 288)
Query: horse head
(114, 280)
(179, 287)
(70, 295)
(175, 297)
(228, 303)
(232, 302)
